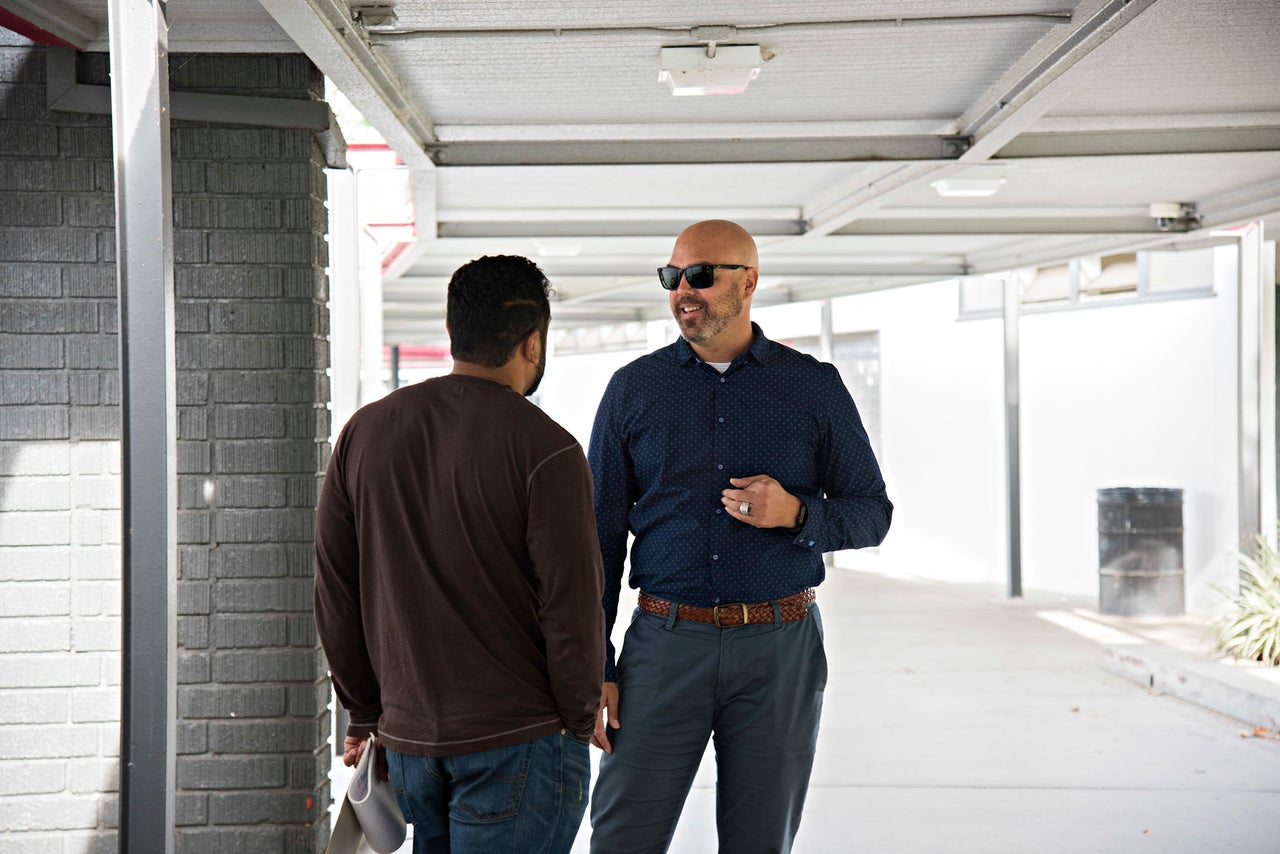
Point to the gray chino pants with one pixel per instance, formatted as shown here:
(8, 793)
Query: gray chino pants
(756, 689)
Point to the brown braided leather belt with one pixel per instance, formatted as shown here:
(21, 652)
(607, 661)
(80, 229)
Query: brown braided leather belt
(791, 607)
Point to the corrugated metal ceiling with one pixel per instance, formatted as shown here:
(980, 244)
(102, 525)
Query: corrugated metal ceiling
(1096, 108)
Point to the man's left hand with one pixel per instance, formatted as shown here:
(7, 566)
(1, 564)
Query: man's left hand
(771, 505)
(353, 748)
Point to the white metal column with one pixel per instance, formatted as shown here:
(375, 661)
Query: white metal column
(1012, 303)
(344, 296)
(1270, 498)
(1256, 389)
(827, 334)
(138, 37)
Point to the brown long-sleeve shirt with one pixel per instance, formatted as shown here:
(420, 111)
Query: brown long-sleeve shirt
(458, 576)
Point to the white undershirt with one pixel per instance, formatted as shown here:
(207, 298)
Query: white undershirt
(720, 366)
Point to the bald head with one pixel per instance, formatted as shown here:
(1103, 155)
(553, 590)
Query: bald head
(715, 319)
(716, 241)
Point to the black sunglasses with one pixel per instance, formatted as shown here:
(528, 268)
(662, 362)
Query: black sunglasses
(697, 275)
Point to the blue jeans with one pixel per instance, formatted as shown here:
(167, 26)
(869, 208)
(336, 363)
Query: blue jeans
(755, 690)
(525, 799)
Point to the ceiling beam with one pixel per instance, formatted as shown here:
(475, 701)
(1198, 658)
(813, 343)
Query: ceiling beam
(619, 214)
(1131, 143)
(592, 311)
(671, 224)
(1236, 207)
(439, 283)
(724, 33)
(1254, 201)
(1167, 122)
(57, 19)
(323, 29)
(1056, 68)
(640, 152)
(582, 131)
(995, 226)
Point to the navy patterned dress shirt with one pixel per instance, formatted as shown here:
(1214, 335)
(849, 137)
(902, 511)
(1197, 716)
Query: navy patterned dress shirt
(670, 432)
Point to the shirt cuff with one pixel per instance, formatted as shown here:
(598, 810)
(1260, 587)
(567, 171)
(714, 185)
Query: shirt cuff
(807, 537)
(362, 728)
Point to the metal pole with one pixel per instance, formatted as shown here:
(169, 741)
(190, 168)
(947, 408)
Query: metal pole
(395, 366)
(827, 335)
(1267, 390)
(827, 352)
(344, 296)
(138, 37)
(1012, 299)
(1251, 349)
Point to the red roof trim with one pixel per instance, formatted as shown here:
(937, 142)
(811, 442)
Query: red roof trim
(23, 27)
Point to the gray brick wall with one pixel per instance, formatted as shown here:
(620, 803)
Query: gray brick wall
(252, 421)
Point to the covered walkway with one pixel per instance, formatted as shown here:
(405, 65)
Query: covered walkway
(957, 720)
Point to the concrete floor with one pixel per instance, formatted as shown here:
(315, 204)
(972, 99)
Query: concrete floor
(956, 720)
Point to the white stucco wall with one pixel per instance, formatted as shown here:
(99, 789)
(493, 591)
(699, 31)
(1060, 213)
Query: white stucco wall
(1141, 394)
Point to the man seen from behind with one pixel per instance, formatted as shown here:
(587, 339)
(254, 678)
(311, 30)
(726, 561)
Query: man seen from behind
(458, 583)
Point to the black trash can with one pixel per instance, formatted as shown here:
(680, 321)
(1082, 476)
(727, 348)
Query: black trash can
(1140, 566)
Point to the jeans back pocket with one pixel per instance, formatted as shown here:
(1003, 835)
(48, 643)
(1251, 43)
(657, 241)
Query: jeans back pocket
(489, 786)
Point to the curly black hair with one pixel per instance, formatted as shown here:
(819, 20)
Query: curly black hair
(494, 302)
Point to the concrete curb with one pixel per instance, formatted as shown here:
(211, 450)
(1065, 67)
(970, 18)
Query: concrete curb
(1246, 693)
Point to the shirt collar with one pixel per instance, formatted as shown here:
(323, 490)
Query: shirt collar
(759, 349)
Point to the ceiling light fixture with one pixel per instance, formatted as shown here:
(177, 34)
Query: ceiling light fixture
(973, 182)
(709, 70)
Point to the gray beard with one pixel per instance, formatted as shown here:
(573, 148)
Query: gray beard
(716, 321)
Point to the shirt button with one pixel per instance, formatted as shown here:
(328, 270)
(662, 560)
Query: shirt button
(721, 420)
(715, 557)
(719, 465)
(719, 510)
(722, 379)
(811, 542)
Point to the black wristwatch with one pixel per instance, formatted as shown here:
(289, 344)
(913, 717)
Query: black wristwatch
(801, 517)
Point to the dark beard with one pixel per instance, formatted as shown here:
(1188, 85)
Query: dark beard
(542, 369)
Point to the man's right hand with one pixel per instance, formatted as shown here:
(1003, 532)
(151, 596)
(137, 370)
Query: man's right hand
(609, 712)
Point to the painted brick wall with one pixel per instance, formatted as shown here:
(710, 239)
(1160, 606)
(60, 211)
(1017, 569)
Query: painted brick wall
(252, 423)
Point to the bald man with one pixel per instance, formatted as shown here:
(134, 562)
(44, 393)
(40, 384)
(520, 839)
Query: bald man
(736, 462)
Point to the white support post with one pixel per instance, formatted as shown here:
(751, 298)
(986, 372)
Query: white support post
(1256, 353)
(372, 384)
(344, 296)
(827, 334)
(1012, 304)
(138, 35)
(1267, 392)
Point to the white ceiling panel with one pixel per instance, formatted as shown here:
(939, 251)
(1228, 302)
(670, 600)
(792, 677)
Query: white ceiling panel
(542, 129)
(815, 73)
(1188, 56)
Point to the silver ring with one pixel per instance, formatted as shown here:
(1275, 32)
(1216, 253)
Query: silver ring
(744, 508)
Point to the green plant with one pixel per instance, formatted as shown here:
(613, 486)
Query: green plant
(1250, 629)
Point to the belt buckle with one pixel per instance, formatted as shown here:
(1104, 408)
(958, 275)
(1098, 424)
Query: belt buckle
(715, 614)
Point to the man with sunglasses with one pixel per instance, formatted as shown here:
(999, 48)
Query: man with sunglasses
(736, 462)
